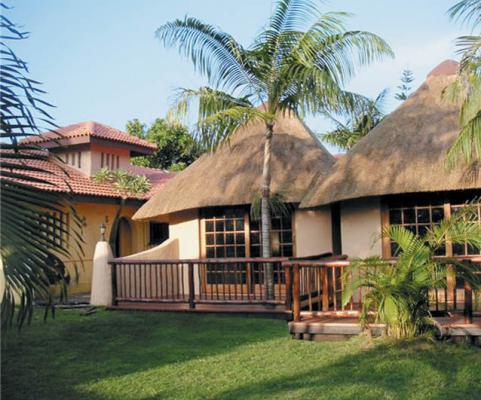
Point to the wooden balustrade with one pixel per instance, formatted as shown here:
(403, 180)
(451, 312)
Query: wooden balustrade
(317, 285)
(308, 284)
(225, 281)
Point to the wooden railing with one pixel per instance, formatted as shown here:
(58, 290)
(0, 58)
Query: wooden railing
(310, 284)
(318, 286)
(233, 280)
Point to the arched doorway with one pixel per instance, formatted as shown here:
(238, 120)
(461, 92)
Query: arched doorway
(123, 241)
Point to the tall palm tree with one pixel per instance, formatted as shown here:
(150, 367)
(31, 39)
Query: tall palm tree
(33, 232)
(467, 88)
(296, 65)
(359, 121)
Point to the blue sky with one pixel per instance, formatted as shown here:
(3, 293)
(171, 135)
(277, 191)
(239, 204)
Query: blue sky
(99, 59)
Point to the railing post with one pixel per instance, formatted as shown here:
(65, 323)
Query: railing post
(191, 286)
(468, 303)
(287, 273)
(325, 289)
(114, 284)
(297, 294)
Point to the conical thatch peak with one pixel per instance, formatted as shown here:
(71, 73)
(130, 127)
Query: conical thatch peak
(446, 68)
(231, 175)
(405, 153)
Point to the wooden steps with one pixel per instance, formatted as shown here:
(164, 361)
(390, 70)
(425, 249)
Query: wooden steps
(342, 325)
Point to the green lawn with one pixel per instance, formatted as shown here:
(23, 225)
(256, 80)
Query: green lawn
(136, 355)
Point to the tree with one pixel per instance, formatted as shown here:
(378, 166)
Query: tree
(398, 294)
(296, 65)
(466, 90)
(405, 87)
(127, 185)
(32, 230)
(358, 123)
(176, 147)
(136, 128)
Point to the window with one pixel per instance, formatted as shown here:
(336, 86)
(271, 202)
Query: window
(57, 224)
(225, 232)
(79, 155)
(159, 233)
(466, 249)
(228, 232)
(281, 237)
(420, 212)
(110, 161)
(417, 219)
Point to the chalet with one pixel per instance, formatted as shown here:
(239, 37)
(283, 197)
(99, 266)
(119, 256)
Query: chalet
(395, 175)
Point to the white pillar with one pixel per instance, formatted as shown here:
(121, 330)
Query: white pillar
(101, 293)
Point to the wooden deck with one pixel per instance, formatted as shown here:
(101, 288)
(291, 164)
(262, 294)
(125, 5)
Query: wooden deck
(307, 291)
(266, 309)
(342, 325)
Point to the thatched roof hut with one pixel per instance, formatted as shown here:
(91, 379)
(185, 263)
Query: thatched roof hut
(405, 153)
(231, 175)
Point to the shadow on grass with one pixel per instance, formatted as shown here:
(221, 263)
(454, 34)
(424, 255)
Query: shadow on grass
(47, 360)
(387, 370)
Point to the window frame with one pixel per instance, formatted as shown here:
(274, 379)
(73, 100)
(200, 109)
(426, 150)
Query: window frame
(247, 230)
(445, 201)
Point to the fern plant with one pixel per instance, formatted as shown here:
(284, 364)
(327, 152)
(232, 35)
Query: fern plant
(397, 293)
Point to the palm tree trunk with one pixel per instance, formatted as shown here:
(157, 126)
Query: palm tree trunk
(265, 212)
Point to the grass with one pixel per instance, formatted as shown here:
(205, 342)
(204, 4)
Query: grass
(136, 355)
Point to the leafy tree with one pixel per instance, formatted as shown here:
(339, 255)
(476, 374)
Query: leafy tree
(297, 64)
(127, 185)
(405, 87)
(358, 123)
(177, 148)
(466, 90)
(398, 294)
(136, 128)
(32, 230)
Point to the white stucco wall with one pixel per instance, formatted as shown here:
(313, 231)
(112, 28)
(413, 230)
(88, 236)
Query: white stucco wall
(312, 231)
(361, 227)
(184, 226)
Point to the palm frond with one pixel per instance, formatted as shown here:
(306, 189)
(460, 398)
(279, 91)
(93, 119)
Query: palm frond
(467, 146)
(467, 12)
(35, 232)
(214, 53)
(219, 114)
(361, 115)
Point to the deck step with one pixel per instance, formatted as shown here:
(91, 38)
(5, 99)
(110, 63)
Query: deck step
(330, 326)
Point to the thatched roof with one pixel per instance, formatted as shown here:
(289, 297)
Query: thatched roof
(231, 175)
(405, 153)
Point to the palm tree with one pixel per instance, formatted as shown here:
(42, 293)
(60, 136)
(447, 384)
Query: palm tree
(358, 123)
(127, 185)
(398, 293)
(33, 233)
(296, 65)
(467, 88)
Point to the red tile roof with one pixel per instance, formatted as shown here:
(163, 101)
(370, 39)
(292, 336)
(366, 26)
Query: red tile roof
(60, 177)
(90, 129)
